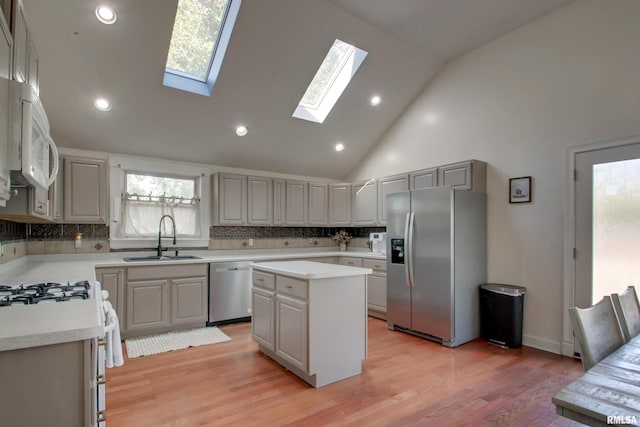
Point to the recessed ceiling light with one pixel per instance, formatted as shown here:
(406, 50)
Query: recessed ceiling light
(375, 100)
(339, 146)
(106, 15)
(241, 130)
(102, 104)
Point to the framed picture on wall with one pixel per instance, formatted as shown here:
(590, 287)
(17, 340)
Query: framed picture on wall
(520, 190)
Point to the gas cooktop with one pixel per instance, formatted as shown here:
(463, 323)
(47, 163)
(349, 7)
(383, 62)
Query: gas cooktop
(41, 293)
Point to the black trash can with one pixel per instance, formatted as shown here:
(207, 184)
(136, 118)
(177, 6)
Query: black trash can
(501, 311)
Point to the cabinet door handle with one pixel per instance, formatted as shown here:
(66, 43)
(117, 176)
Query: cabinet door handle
(101, 416)
(101, 380)
(102, 342)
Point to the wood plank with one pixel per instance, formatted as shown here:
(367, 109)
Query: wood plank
(406, 381)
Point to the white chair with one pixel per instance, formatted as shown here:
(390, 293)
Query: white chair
(628, 311)
(597, 330)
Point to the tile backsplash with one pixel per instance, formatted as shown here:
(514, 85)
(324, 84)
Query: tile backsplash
(21, 239)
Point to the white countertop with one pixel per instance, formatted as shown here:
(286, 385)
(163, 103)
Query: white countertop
(309, 270)
(29, 326)
(24, 326)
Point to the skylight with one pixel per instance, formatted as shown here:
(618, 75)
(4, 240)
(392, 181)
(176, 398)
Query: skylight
(201, 34)
(331, 79)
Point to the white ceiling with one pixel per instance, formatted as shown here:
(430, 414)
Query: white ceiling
(274, 52)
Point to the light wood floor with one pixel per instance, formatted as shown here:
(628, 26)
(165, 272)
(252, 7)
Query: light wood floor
(406, 381)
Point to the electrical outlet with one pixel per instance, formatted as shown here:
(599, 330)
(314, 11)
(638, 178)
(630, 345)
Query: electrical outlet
(250, 242)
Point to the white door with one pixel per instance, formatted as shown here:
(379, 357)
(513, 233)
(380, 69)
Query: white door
(607, 221)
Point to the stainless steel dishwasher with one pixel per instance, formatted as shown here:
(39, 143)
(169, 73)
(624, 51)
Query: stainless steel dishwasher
(229, 292)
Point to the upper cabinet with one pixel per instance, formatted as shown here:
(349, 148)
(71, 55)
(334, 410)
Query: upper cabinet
(260, 200)
(33, 77)
(318, 204)
(297, 212)
(6, 48)
(340, 204)
(425, 178)
(20, 33)
(469, 175)
(229, 199)
(388, 185)
(25, 59)
(85, 190)
(364, 203)
(279, 201)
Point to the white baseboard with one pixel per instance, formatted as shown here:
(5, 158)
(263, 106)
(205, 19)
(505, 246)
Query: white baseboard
(542, 344)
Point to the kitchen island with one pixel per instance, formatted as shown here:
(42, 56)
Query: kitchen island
(311, 318)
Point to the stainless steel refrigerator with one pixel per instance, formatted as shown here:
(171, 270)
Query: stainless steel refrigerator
(436, 258)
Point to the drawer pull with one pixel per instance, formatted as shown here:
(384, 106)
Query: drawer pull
(289, 287)
(102, 342)
(101, 380)
(260, 280)
(376, 266)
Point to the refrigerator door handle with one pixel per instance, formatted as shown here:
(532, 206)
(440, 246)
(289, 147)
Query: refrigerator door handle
(410, 246)
(407, 257)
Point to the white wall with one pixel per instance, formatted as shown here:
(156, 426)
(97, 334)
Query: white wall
(570, 78)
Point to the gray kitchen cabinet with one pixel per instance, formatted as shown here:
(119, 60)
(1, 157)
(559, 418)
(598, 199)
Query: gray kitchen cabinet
(68, 396)
(28, 205)
(388, 185)
(307, 313)
(376, 288)
(260, 201)
(56, 197)
(230, 199)
(189, 301)
(6, 50)
(112, 280)
(318, 204)
(85, 190)
(5, 8)
(20, 32)
(263, 315)
(364, 203)
(33, 77)
(324, 259)
(350, 261)
(279, 201)
(291, 329)
(469, 175)
(297, 212)
(165, 297)
(425, 178)
(147, 305)
(340, 204)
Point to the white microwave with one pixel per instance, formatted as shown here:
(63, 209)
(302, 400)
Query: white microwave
(33, 155)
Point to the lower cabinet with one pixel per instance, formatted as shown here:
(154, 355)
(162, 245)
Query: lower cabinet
(147, 305)
(376, 283)
(292, 320)
(63, 381)
(162, 298)
(112, 280)
(376, 288)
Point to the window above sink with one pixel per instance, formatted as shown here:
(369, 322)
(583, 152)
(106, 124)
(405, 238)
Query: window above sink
(142, 191)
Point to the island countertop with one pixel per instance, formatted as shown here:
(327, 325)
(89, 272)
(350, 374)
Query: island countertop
(309, 270)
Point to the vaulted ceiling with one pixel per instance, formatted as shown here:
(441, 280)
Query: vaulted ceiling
(275, 49)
